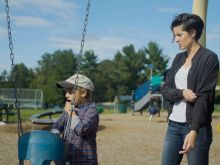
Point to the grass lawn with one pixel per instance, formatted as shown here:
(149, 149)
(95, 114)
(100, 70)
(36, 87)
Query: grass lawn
(27, 113)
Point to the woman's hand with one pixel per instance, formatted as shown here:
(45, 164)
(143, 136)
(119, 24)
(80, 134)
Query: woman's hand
(189, 142)
(189, 95)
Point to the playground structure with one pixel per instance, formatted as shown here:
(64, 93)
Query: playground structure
(141, 98)
(38, 119)
(27, 148)
(143, 95)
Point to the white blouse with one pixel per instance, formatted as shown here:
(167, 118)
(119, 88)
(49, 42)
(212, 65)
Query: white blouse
(179, 108)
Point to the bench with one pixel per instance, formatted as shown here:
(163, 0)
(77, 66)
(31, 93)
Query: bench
(8, 111)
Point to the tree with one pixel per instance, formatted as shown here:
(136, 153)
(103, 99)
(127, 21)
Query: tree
(4, 79)
(89, 64)
(105, 81)
(136, 62)
(111, 78)
(89, 68)
(22, 76)
(53, 68)
(130, 66)
(156, 58)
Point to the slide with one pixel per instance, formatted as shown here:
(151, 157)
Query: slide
(142, 94)
(139, 105)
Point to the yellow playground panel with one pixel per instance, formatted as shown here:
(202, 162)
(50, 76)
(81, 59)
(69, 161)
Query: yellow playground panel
(218, 127)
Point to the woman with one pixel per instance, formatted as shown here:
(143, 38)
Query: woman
(190, 88)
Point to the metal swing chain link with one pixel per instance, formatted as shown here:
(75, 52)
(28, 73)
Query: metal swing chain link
(82, 43)
(9, 36)
(17, 102)
(83, 37)
(66, 132)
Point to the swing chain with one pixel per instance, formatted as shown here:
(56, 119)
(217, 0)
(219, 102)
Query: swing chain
(67, 128)
(83, 37)
(17, 102)
(11, 50)
(9, 35)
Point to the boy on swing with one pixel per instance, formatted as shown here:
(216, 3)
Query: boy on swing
(81, 136)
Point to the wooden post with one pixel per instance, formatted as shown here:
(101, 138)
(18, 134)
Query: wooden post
(200, 8)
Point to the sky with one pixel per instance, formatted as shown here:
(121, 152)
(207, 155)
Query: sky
(44, 26)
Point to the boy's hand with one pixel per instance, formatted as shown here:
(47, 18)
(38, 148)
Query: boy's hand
(68, 108)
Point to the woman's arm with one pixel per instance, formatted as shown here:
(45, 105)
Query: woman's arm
(169, 91)
(205, 92)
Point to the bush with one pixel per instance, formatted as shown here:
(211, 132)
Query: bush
(100, 109)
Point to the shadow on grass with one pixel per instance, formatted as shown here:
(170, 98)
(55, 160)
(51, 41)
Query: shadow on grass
(215, 116)
(101, 127)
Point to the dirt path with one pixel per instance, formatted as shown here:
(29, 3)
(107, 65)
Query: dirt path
(123, 139)
(133, 140)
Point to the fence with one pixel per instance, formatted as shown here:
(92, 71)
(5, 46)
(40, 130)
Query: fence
(29, 98)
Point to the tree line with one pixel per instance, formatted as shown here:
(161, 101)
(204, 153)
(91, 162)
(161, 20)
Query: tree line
(119, 76)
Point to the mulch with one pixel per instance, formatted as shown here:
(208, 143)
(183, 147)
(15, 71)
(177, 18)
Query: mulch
(122, 139)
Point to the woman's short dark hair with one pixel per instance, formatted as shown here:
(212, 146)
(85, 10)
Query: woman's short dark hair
(189, 22)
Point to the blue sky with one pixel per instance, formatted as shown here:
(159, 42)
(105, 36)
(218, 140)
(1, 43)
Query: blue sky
(47, 25)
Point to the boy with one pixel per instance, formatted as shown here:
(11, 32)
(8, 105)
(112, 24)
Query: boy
(81, 136)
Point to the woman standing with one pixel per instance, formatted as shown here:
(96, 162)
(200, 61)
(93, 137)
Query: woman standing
(190, 88)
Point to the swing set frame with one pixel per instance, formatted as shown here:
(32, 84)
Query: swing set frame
(28, 147)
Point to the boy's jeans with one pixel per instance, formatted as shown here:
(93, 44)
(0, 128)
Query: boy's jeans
(173, 143)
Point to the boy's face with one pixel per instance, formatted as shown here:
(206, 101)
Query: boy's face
(77, 95)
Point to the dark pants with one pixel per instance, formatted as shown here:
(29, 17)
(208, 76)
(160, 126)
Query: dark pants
(173, 143)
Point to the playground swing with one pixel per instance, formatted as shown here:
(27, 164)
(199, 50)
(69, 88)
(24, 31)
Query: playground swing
(38, 146)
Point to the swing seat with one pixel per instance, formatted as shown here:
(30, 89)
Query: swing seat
(40, 147)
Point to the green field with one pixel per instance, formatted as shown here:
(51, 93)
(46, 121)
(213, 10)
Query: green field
(27, 113)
